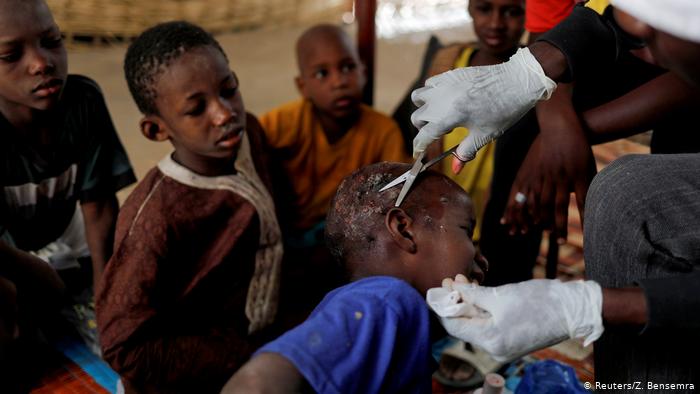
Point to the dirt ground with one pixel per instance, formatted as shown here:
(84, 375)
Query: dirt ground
(264, 62)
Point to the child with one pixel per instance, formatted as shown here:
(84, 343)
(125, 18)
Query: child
(329, 133)
(374, 334)
(61, 164)
(195, 272)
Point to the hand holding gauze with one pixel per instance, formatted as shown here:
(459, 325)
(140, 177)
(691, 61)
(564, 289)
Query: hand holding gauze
(512, 320)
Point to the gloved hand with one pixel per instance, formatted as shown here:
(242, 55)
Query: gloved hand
(512, 320)
(487, 100)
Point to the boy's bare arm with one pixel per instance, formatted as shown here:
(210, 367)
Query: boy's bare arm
(267, 373)
(174, 359)
(551, 58)
(100, 221)
(627, 306)
(640, 109)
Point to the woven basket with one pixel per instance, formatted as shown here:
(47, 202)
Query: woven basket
(123, 19)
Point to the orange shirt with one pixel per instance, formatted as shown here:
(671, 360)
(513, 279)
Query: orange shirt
(314, 166)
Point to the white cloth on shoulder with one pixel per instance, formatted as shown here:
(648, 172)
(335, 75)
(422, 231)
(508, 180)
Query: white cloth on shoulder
(680, 18)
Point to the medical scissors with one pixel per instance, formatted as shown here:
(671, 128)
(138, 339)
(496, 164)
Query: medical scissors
(410, 176)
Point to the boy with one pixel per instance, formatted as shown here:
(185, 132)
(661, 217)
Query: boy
(195, 272)
(61, 164)
(317, 141)
(329, 133)
(374, 334)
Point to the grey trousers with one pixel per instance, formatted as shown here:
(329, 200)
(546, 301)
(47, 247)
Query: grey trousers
(642, 221)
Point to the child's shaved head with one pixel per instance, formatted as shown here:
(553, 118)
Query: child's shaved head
(152, 52)
(330, 76)
(358, 208)
(317, 36)
(426, 239)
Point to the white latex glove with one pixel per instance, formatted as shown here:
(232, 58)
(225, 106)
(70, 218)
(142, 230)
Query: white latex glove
(512, 320)
(487, 100)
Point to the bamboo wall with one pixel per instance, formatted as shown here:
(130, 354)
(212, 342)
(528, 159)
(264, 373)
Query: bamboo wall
(123, 19)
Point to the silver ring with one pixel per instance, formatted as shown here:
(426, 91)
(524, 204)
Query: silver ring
(520, 198)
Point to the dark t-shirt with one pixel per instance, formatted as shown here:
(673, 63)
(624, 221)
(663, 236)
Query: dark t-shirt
(86, 163)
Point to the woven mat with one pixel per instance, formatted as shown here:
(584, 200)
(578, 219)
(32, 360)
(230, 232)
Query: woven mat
(73, 369)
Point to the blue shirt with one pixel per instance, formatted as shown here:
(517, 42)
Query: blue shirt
(370, 336)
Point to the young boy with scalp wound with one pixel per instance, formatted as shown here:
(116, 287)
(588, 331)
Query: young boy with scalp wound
(374, 334)
(61, 164)
(195, 273)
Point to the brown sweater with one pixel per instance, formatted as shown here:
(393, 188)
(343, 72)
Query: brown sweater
(170, 308)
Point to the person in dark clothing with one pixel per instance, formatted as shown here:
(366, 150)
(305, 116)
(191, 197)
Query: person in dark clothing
(577, 116)
(641, 227)
(61, 165)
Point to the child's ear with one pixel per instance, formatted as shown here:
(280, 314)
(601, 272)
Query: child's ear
(301, 87)
(152, 128)
(400, 226)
